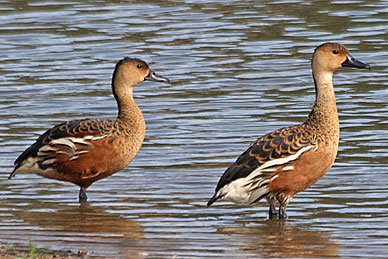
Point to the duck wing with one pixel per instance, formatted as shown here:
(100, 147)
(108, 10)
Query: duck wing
(71, 138)
(247, 179)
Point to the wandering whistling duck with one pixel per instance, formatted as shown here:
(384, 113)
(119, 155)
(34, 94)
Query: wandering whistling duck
(84, 151)
(286, 161)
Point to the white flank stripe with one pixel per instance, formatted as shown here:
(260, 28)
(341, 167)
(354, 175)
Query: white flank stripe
(95, 137)
(247, 190)
(46, 148)
(63, 141)
(63, 152)
(49, 161)
(40, 154)
(73, 158)
(81, 152)
(70, 141)
(288, 168)
(279, 161)
(81, 141)
(269, 170)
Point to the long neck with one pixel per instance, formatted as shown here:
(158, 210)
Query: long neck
(128, 112)
(324, 117)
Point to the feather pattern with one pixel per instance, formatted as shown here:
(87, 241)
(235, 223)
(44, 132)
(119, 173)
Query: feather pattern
(259, 164)
(72, 138)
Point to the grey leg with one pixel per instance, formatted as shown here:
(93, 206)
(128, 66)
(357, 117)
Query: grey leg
(282, 212)
(272, 211)
(82, 195)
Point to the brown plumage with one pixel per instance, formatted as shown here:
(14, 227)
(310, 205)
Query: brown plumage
(84, 151)
(289, 160)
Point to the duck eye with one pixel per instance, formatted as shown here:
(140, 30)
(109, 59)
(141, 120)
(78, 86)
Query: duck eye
(139, 66)
(335, 51)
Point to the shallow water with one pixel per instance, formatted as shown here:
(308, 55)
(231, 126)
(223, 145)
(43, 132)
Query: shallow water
(239, 69)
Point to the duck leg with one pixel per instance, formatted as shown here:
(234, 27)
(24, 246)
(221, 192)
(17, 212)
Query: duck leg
(282, 212)
(272, 211)
(82, 195)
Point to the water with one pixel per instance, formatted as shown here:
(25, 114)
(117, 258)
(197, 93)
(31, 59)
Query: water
(239, 69)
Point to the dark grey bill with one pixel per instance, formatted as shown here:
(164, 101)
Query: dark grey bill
(152, 76)
(352, 62)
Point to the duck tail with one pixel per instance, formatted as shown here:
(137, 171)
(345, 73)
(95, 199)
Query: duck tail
(212, 200)
(14, 172)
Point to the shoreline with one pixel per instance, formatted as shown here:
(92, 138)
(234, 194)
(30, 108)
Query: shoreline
(9, 252)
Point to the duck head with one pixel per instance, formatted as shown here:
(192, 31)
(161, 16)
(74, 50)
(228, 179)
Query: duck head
(131, 71)
(331, 56)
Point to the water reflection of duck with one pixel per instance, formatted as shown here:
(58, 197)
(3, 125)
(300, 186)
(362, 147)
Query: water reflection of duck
(63, 228)
(84, 151)
(274, 239)
(289, 160)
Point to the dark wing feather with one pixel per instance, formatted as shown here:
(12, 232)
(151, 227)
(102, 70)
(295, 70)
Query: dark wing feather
(74, 128)
(277, 144)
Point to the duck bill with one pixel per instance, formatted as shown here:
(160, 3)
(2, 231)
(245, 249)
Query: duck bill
(152, 76)
(352, 62)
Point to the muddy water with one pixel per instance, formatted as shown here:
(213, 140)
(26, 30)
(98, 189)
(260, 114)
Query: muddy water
(239, 69)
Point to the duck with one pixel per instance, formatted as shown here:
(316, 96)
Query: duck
(289, 160)
(84, 151)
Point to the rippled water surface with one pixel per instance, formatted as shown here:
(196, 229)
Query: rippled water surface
(239, 69)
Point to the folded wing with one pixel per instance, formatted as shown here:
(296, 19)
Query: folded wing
(246, 181)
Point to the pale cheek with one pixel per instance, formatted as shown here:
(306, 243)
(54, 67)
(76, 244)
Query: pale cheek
(336, 68)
